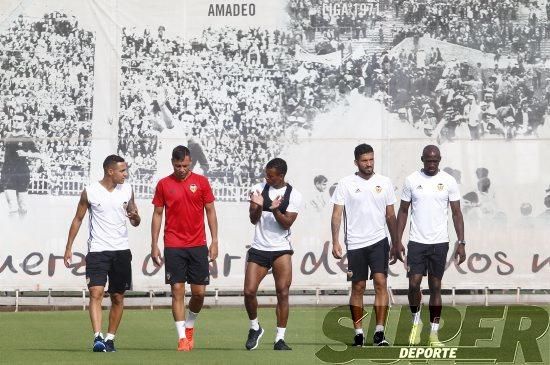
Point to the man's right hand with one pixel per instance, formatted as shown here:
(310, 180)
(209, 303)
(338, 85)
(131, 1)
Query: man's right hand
(155, 255)
(336, 250)
(67, 257)
(397, 252)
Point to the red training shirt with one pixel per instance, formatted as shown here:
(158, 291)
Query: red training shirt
(183, 201)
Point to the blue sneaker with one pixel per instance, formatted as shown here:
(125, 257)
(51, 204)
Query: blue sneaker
(99, 345)
(110, 346)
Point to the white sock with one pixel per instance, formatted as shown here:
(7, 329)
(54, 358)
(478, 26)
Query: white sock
(379, 328)
(435, 328)
(416, 318)
(98, 334)
(358, 331)
(180, 326)
(190, 321)
(254, 324)
(109, 336)
(280, 334)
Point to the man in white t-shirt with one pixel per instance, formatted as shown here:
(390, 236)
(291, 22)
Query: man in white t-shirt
(110, 202)
(429, 192)
(274, 206)
(367, 200)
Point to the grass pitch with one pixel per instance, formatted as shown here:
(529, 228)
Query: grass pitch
(149, 337)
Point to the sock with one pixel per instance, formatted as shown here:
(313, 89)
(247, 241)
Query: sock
(109, 336)
(379, 328)
(280, 334)
(190, 321)
(416, 318)
(254, 324)
(180, 326)
(98, 334)
(358, 331)
(435, 328)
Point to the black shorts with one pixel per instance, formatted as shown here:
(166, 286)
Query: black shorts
(426, 259)
(187, 265)
(115, 265)
(265, 258)
(14, 178)
(375, 257)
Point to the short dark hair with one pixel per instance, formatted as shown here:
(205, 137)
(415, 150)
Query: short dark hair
(278, 164)
(362, 149)
(179, 153)
(111, 160)
(484, 184)
(319, 179)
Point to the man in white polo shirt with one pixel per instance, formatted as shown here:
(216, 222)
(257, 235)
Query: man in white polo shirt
(110, 203)
(274, 207)
(366, 199)
(429, 192)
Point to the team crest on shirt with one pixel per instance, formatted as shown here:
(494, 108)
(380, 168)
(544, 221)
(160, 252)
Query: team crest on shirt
(419, 187)
(440, 187)
(357, 191)
(193, 188)
(378, 189)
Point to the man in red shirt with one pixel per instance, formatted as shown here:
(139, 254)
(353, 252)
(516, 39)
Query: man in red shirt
(185, 196)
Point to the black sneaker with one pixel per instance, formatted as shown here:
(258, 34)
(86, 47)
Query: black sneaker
(359, 340)
(110, 346)
(281, 345)
(99, 345)
(253, 339)
(379, 339)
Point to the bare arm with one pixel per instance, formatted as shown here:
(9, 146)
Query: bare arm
(402, 216)
(213, 226)
(335, 223)
(256, 207)
(286, 219)
(458, 221)
(156, 222)
(81, 209)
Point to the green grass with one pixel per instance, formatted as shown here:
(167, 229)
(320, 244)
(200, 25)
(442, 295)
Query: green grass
(149, 337)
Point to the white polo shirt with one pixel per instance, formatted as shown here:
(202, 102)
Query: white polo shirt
(365, 203)
(268, 233)
(429, 197)
(108, 229)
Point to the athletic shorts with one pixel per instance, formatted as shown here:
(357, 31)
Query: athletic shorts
(17, 179)
(427, 259)
(375, 257)
(114, 265)
(265, 258)
(187, 265)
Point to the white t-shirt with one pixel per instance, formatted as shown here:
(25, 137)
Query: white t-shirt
(430, 197)
(268, 233)
(108, 229)
(365, 203)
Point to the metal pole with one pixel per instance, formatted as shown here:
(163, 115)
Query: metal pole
(518, 294)
(151, 299)
(486, 296)
(454, 296)
(83, 299)
(17, 300)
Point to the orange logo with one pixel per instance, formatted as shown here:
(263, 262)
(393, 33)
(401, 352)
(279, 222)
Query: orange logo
(193, 188)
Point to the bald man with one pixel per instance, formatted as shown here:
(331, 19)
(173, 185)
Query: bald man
(428, 193)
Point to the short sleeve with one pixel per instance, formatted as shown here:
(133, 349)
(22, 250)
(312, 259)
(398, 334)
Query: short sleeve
(158, 199)
(390, 193)
(454, 191)
(338, 197)
(406, 195)
(295, 202)
(207, 195)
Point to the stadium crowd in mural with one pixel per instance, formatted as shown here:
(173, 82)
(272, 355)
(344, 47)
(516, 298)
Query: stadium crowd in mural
(46, 80)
